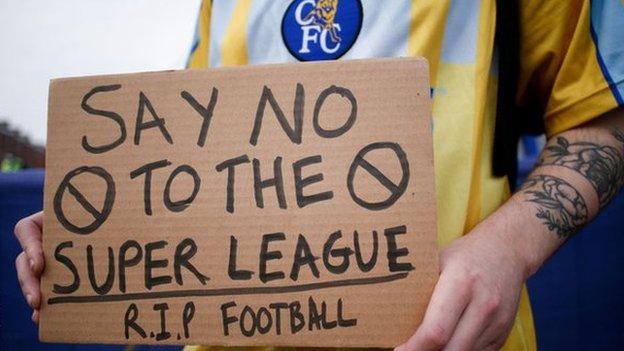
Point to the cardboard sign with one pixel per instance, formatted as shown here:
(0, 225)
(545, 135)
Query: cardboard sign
(269, 205)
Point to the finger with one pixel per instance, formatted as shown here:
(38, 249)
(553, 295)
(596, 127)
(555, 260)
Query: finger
(450, 297)
(491, 347)
(28, 233)
(495, 346)
(495, 334)
(27, 281)
(35, 317)
(475, 320)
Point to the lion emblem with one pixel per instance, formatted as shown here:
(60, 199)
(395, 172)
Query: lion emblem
(323, 15)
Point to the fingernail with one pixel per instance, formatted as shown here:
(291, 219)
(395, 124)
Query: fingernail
(29, 300)
(35, 316)
(32, 264)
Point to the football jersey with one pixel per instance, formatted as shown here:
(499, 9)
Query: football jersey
(571, 71)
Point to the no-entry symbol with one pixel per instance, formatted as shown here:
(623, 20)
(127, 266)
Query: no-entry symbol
(396, 190)
(99, 216)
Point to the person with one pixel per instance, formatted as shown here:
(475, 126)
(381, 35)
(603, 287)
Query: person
(569, 73)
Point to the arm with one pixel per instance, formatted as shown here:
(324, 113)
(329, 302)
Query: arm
(579, 173)
(475, 301)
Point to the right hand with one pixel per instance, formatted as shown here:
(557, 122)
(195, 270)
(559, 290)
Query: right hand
(30, 263)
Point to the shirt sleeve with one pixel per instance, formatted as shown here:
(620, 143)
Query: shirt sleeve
(198, 57)
(571, 64)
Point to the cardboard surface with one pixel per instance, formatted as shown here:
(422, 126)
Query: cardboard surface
(268, 205)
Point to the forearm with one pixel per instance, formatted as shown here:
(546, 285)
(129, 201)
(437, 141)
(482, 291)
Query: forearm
(477, 295)
(579, 172)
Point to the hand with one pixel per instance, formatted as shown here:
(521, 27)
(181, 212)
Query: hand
(475, 301)
(29, 263)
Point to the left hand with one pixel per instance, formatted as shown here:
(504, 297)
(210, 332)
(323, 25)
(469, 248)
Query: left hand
(475, 301)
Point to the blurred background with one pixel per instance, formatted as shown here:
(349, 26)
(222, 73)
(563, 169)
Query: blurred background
(41, 40)
(577, 297)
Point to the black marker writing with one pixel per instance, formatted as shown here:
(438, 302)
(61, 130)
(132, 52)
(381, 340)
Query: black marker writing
(108, 114)
(233, 272)
(147, 187)
(156, 122)
(395, 190)
(266, 255)
(67, 289)
(180, 205)
(204, 112)
(277, 182)
(300, 182)
(293, 133)
(344, 92)
(230, 165)
(130, 318)
(98, 216)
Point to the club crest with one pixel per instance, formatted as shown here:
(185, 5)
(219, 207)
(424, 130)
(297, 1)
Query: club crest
(321, 29)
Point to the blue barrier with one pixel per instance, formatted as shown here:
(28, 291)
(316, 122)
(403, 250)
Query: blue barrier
(577, 297)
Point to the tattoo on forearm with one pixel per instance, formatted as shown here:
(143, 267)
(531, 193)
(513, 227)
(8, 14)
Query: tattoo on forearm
(602, 165)
(559, 205)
